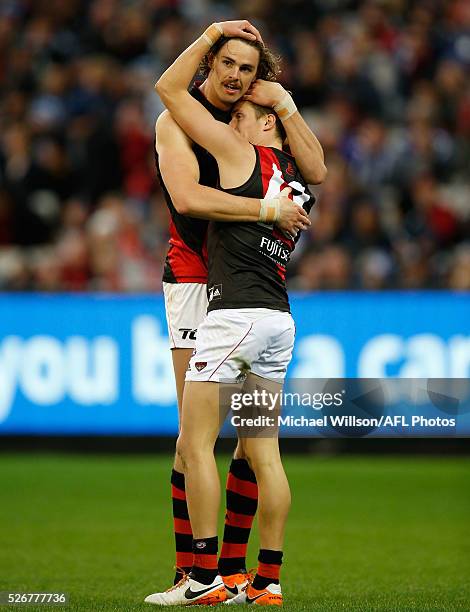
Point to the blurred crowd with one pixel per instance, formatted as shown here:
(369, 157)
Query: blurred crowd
(383, 83)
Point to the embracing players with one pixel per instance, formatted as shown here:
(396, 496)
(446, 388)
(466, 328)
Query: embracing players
(249, 321)
(187, 173)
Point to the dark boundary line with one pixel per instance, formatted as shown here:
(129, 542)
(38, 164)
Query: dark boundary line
(153, 444)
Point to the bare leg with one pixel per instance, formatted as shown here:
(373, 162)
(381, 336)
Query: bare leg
(195, 447)
(182, 527)
(265, 460)
(181, 359)
(273, 490)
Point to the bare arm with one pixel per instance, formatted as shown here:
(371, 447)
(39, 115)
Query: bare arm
(303, 143)
(180, 172)
(306, 149)
(172, 87)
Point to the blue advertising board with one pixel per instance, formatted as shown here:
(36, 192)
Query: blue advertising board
(92, 364)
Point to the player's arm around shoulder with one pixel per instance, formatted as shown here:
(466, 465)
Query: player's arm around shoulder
(180, 173)
(303, 143)
(178, 164)
(196, 121)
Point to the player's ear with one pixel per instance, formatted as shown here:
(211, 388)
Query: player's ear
(269, 122)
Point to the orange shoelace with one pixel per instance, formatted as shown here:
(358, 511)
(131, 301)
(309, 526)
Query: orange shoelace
(250, 576)
(183, 579)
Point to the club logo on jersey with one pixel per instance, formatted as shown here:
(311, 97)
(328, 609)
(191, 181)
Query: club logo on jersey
(215, 293)
(277, 183)
(274, 249)
(188, 333)
(200, 365)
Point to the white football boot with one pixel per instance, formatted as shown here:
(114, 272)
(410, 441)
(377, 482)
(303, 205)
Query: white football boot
(189, 592)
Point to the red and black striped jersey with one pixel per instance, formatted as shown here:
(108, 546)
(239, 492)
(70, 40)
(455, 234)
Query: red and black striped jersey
(247, 261)
(186, 260)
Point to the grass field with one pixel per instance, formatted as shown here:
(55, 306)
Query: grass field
(364, 533)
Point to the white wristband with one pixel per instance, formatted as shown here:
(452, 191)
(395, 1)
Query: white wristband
(270, 210)
(212, 34)
(286, 107)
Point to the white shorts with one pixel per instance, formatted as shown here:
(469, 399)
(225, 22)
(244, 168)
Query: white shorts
(232, 342)
(186, 307)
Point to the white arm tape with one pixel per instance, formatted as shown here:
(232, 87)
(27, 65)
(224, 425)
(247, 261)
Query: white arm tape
(270, 210)
(212, 34)
(286, 107)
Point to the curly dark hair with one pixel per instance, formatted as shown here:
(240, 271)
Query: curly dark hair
(268, 67)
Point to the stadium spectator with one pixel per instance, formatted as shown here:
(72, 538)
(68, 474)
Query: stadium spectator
(384, 84)
(459, 272)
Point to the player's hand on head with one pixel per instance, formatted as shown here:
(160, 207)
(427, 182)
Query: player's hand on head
(292, 217)
(265, 93)
(240, 29)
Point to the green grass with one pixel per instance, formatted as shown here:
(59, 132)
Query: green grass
(364, 533)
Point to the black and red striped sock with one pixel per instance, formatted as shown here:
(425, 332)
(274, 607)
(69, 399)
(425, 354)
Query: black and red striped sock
(269, 568)
(182, 525)
(242, 502)
(205, 559)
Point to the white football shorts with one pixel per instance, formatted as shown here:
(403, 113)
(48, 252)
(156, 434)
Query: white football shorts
(232, 342)
(186, 307)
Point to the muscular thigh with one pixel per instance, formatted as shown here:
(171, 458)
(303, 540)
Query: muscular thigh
(200, 423)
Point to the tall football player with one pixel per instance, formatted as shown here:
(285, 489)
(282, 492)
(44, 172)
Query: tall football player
(249, 326)
(187, 172)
